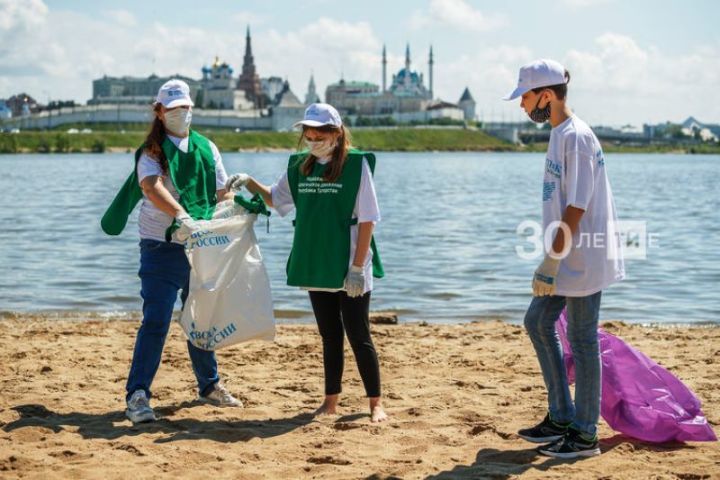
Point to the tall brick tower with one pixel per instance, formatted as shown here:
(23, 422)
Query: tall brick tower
(249, 80)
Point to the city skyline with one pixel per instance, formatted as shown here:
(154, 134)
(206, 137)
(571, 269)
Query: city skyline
(652, 65)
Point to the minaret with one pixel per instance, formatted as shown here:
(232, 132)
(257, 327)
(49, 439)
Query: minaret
(430, 72)
(384, 70)
(407, 79)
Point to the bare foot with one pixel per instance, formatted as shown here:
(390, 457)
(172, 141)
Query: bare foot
(329, 405)
(377, 413)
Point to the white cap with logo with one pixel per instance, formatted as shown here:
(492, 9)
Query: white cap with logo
(540, 73)
(174, 93)
(319, 115)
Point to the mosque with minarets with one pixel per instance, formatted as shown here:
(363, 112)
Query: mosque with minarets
(406, 99)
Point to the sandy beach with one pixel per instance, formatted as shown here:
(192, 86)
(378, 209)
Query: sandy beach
(455, 393)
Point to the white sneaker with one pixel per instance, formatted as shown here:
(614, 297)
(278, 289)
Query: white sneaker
(138, 408)
(220, 397)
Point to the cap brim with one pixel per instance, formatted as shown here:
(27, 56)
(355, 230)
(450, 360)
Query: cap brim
(310, 123)
(516, 93)
(180, 102)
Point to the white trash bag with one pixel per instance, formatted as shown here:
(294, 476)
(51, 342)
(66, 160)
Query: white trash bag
(229, 300)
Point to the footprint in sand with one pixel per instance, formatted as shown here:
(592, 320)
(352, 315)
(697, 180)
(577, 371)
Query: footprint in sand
(328, 459)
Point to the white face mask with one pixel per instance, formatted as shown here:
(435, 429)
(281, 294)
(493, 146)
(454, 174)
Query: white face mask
(321, 148)
(178, 120)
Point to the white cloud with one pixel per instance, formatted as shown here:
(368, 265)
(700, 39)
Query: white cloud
(616, 80)
(455, 14)
(619, 75)
(489, 72)
(67, 50)
(21, 14)
(328, 48)
(123, 18)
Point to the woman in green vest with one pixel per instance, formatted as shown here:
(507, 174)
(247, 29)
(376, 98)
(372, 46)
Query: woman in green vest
(333, 256)
(179, 177)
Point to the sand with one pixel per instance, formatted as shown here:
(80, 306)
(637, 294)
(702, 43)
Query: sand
(455, 394)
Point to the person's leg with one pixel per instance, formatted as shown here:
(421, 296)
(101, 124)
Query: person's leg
(326, 307)
(583, 314)
(540, 324)
(161, 277)
(356, 319)
(204, 362)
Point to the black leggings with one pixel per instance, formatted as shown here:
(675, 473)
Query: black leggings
(333, 310)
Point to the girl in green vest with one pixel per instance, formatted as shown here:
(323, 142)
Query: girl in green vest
(333, 255)
(179, 177)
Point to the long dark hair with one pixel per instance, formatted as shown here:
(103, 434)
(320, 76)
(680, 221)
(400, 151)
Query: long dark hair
(155, 138)
(337, 162)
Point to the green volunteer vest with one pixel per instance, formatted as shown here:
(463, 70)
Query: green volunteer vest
(192, 173)
(320, 252)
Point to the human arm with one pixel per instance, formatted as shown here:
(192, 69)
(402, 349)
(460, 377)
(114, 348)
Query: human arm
(154, 190)
(255, 187)
(577, 181)
(365, 231)
(223, 195)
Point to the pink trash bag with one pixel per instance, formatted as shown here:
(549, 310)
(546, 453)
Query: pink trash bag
(639, 397)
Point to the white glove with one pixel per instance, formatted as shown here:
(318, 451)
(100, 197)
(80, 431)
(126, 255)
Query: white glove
(545, 278)
(237, 181)
(188, 226)
(355, 281)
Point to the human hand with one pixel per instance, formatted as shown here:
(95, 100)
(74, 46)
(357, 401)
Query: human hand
(545, 277)
(355, 281)
(237, 181)
(188, 226)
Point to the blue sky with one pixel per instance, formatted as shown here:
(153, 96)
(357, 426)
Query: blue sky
(631, 61)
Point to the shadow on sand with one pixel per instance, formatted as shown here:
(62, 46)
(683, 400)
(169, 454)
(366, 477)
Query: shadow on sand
(502, 464)
(114, 425)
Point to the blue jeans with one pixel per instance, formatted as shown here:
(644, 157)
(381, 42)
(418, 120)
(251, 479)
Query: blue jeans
(164, 270)
(582, 316)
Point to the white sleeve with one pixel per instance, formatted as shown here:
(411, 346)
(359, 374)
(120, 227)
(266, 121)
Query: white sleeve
(282, 198)
(220, 173)
(148, 166)
(579, 173)
(366, 204)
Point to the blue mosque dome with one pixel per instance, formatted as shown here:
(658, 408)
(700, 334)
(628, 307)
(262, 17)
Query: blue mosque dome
(408, 82)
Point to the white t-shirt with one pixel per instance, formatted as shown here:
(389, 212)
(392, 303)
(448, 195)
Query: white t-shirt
(152, 221)
(366, 210)
(575, 176)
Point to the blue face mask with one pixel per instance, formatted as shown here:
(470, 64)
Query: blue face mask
(540, 115)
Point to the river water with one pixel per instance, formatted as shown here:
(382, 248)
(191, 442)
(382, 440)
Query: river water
(447, 237)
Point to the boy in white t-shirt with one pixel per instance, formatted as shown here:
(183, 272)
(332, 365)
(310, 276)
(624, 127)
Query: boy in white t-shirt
(584, 260)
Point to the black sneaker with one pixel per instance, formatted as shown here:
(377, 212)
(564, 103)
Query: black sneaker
(573, 445)
(544, 432)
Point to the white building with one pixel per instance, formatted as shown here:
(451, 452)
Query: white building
(218, 89)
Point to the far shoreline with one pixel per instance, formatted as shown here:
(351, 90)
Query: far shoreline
(298, 317)
(375, 140)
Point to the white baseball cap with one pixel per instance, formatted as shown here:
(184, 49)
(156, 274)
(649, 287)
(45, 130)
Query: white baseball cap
(174, 93)
(540, 73)
(320, 114)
